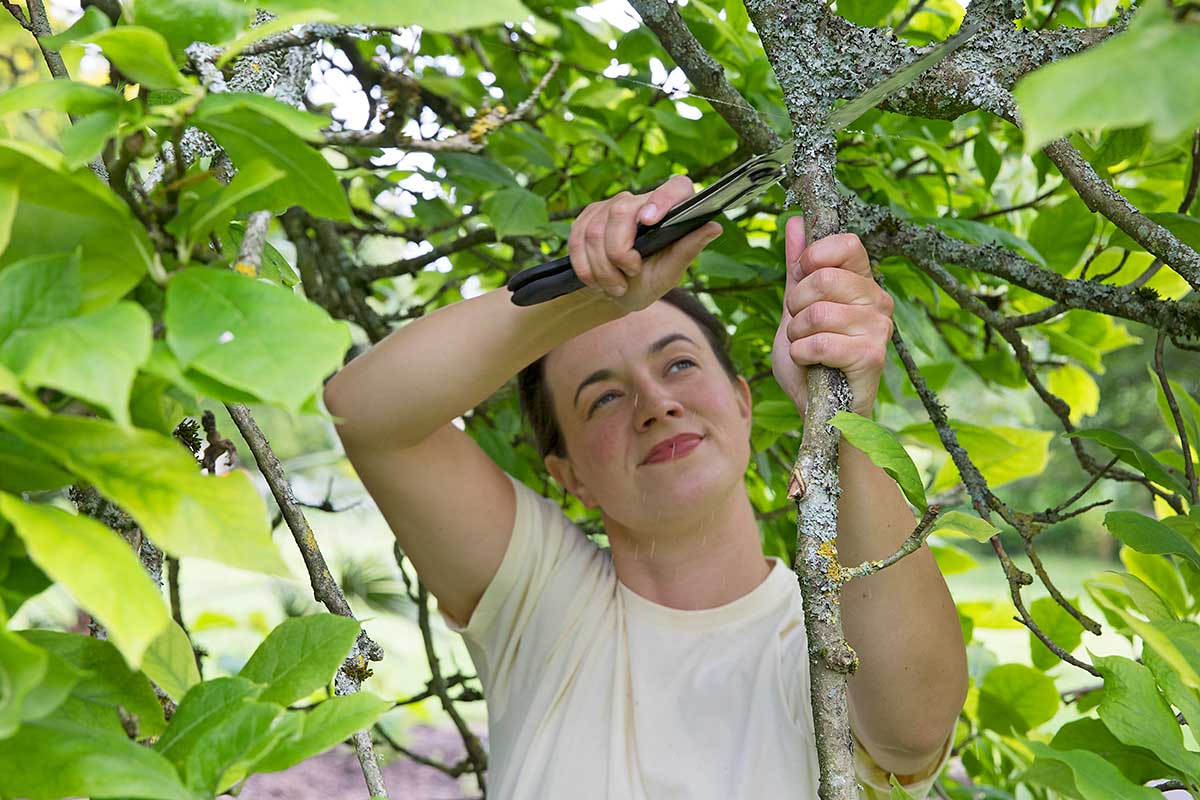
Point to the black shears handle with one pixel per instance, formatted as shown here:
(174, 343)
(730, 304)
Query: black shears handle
(556, 278)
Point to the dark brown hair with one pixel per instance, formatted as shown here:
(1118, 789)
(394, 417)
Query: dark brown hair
(538, 406)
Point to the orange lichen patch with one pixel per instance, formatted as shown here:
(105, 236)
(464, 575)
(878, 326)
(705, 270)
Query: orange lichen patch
(242, 268)
(486, 123)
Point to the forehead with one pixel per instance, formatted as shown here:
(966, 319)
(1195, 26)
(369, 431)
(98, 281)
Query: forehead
(626, 338)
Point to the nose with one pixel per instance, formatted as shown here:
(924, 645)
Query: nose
(655, 404)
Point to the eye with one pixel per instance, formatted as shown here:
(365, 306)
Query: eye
(683, 361)
(600, 401)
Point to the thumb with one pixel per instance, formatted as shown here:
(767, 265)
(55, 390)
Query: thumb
(676, 258)
(794, 244)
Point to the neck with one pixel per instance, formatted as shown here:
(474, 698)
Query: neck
(695, 563)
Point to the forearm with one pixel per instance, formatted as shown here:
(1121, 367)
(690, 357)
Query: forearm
(912, 673)
(423, 375)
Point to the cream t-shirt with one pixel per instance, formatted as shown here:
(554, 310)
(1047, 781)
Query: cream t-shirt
(595, 692)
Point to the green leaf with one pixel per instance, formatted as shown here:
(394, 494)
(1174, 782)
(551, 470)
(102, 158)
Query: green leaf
(718, 265)
(885, 452)
(1189, 411)
(986, 158)
(304, 124)
(24, 468)
(1133, 454)
(779, 416)
(898, 791)
(182, 22)
(37, 291)
(171, 663)
(200, 711)
(141, 54)
(68, 760)
(225, 744)
(952, 560)
(152, 477)
(1185, 228)
(1178, 643)
(69, 97)
(1143, 76)
(515, 211)
(58, 210)
(93, 357)
(9, 196)
(1093, 778)
(22, 668)
(1003, 454)
(1077, 388)
(69, 548)
(1148, 535)
(1137, 714)
(1015, 698)
(1062, 232)
(1185, 699)
(195, 221)
(106, 680)
(1062, 629)
(250, 135)
(85, 140)
(866, 12)
(92, 21)
(300, 656)
(447, 16)
(958, 522)
(227, 326)
(1135, 763)
(331, 722)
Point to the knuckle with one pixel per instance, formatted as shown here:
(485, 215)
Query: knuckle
(594, 232)
(825, 279)
(822, 313)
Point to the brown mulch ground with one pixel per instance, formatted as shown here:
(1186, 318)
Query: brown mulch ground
(336, 774)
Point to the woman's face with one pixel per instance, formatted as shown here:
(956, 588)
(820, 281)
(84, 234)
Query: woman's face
(653, 425)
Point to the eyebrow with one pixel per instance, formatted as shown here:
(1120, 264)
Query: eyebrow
(605, 374)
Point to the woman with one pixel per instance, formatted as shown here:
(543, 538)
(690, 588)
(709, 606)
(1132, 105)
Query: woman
(675, 663)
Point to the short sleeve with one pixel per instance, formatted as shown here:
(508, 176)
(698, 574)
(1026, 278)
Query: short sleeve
(877, 783)
(544, 550)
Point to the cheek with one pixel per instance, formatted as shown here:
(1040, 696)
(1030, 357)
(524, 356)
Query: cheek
(601, 442)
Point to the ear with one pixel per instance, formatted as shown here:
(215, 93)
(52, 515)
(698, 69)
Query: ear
(744, 401)
(563, 471)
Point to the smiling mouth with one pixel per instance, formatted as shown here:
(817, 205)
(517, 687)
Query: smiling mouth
(677, 449)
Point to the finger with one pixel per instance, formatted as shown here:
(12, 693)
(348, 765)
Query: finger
(839, 318)
(835, 350)
(842, 250)
(595, 235)
(666, 196)
(794, 241)
(838, 286)
(577, 248)
(620, 232)
(670, 264)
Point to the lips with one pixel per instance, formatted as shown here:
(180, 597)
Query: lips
(675, 447)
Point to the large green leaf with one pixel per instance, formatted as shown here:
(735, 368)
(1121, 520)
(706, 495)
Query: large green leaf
(300, 656)
(329, 723)
(1133, 454)
(1062, 628)
(106, 681)
(1186, 699)
(515, 212)
(1148, 535)
(1003, 454)
(59, 209)
(94, 357)
(249, 135)
(1137, 714)
(885, 451)
(49, 759)
(22, 668)
(24, 468)
(152, 477)
(182, 22)
(226, 743)
(201, 710)
(1178, 643)
(1088, 733)
(1015, 698)
(36, 292)
(1062, 232)
(171, 663)
(70, 97)
(433, 15)
(141, 54)
(1092, 777)
(70, 549)
(197, 217)
(227, 326)
(304, 124)
(1145, 75)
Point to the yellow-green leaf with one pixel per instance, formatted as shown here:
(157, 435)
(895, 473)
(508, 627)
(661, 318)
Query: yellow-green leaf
(885, 451)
